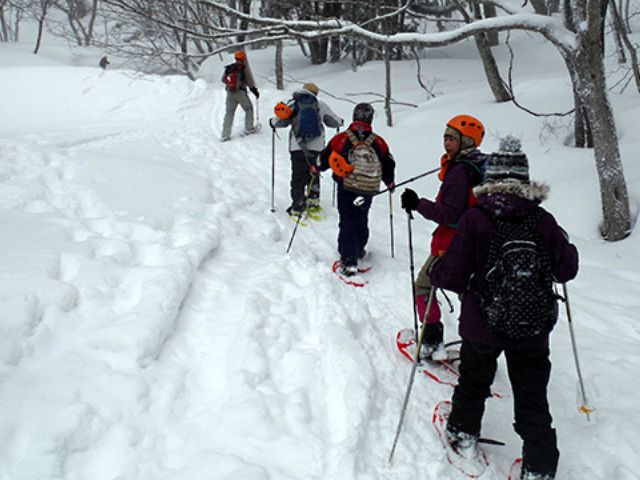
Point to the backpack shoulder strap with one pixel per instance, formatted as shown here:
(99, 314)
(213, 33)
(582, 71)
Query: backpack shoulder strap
(370, 139)
(354, 140)
(473, 168)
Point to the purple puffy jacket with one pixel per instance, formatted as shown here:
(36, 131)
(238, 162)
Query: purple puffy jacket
(470, 247)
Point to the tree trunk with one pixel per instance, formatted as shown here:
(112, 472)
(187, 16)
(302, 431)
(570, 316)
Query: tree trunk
(245, 7)
(590, 75)
(493, 38)
(45, 6)
(540, 7)
(318, 50)
(387, 90)
(4, 31)
(624, 38)
(496, 84)
(92, 22)
(279, 67)
(335, 48)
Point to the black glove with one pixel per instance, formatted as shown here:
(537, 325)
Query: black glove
(409, 200)
(254, 90)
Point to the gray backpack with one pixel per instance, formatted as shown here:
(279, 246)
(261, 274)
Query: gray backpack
(367, 169)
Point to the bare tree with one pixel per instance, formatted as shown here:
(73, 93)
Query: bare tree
(582, 49)
(41, 14)
(81, 18)
(12, 12)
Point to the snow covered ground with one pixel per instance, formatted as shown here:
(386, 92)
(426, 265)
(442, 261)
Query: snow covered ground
(153, 327)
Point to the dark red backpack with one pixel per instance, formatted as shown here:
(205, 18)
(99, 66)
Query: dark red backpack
(232, 77)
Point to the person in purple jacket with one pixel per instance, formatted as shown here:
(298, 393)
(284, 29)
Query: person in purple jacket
(460, 170)
(506, 194)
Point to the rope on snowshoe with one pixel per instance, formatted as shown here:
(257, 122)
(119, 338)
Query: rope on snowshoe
(584, 408)
(416, 361)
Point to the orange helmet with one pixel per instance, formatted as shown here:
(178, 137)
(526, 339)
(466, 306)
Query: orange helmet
(283, 111)
(469, 127)
(240, 56)
(339, 165)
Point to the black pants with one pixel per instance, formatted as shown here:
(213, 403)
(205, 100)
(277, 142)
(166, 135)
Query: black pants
(353, 227)
(301, 178)
(529, 371)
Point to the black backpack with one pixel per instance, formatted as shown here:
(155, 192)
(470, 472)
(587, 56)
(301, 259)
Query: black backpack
(516, 284)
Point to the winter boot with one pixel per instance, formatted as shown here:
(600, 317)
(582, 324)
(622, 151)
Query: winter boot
(432, 342)
(295, 210)
(225, 138)
(528, 475)
(313, 205)
(348, 268)
(463, 444)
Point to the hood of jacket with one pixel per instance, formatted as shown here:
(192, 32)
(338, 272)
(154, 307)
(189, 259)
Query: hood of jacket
(507, 199)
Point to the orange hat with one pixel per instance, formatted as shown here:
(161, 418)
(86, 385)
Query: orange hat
(240, 56)
(469, 127)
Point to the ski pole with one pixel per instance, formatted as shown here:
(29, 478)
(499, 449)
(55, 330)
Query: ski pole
(391, 224)
(295, 229)
(412, 270)
(293, 234)
(358, 201)
(333, 196)
(411, 378)
(584, 408)
(273, 169)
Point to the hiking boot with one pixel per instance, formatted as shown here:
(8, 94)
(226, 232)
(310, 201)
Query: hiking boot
(432, 342)
(249, 131)
(225, 138)
(295, 211)
(348, 270)
(528, 475)
(463, 444)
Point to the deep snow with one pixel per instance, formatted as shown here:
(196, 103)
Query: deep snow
(154, 328)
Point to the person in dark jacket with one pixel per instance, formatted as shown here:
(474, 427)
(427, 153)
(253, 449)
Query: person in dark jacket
(461, 170)
(509, 195)
(353, 227)
(237, 78)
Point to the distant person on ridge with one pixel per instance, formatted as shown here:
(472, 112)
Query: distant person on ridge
(360, 160)
(461, 170)
(104, 63)
(237, 77)
(503, 260)
(306, 115)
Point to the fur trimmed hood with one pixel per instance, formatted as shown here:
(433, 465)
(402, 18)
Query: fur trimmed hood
(533, 191)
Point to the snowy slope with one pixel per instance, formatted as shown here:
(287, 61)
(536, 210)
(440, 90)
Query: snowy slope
(155, 328)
